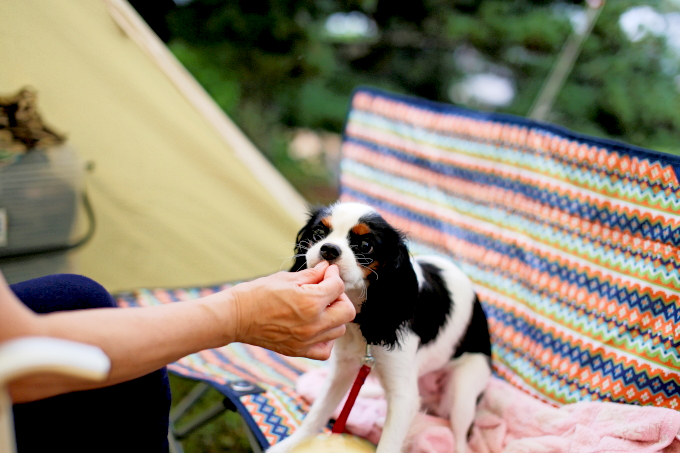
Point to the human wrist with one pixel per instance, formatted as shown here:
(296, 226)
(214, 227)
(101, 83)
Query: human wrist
(225, 312)
(239, 300)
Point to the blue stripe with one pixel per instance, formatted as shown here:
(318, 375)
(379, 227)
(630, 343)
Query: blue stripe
(612, 145)
(604, 216)
(602, 288)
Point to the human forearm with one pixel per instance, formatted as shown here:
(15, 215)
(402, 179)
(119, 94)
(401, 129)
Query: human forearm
(137, 341)
(296, 314)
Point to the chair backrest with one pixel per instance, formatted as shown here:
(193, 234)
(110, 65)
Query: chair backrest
(571, 241)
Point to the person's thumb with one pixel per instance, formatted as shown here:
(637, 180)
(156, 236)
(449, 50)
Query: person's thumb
(313, 275)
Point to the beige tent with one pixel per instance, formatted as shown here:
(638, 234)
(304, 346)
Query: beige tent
(181, 196)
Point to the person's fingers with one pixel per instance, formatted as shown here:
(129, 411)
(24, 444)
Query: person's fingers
(339, 312)
(310, 276)
(330, 334)
(332, 285)
(320, 351)
(331, 272)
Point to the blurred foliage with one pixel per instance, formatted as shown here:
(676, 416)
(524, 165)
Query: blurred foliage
(272, 66)
(225, 433)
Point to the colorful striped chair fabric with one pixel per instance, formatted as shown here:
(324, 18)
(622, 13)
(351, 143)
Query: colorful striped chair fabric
(571, 241)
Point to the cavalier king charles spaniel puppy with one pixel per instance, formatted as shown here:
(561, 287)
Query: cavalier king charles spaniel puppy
(419, 314)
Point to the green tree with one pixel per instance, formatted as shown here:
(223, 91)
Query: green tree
(272, 65)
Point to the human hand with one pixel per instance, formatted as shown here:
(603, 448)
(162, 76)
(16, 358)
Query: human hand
(294, 313)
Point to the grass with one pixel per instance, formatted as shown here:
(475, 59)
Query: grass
(226, 433)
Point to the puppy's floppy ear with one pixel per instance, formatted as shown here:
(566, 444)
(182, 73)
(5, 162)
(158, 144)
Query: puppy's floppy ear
(300, 258)
(304, 239)
(392, 298)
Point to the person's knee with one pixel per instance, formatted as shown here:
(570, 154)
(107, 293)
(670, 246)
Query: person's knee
(62, 292)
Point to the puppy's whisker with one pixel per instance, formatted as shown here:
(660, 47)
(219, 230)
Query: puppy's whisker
(290, 258)
(363, 258)
(300, 268)
(364, 290)
(287, 245)
(366, 267)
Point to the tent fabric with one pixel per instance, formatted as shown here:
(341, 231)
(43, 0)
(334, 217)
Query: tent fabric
(175, 204)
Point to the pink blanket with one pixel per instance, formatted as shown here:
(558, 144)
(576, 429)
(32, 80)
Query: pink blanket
(509, 420)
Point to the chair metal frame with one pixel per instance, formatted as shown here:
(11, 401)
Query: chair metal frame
(177, 433)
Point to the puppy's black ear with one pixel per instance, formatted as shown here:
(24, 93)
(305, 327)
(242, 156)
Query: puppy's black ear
(392, 298)
(300, 258)
(304, 239)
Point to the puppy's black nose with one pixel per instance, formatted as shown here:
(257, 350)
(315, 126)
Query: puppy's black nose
(330, 251)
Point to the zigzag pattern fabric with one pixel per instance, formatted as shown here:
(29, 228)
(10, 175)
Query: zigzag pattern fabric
(572, 242)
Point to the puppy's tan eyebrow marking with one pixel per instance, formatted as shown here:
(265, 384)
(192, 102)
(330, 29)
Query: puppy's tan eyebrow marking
(361, 228)
(327, 222)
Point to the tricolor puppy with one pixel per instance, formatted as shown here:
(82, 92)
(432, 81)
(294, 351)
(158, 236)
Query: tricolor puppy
(421, 314)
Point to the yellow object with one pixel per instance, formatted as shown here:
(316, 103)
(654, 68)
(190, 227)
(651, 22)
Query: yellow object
(181, 197)
(335, 443)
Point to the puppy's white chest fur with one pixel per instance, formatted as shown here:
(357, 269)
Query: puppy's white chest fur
(351, 347)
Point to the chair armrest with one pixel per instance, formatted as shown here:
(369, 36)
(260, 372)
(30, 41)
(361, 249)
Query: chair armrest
(32, 355)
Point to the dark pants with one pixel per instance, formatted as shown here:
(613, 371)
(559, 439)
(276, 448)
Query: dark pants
(132, 416)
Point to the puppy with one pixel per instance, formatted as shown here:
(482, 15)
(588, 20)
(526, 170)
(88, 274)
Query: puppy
(420, 314)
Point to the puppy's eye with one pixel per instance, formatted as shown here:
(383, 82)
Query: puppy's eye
(366, 246)
(318, 234)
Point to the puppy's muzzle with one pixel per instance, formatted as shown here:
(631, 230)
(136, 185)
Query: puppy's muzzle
(330, 252)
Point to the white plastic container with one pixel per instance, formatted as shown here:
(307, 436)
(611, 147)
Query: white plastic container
(39, 197)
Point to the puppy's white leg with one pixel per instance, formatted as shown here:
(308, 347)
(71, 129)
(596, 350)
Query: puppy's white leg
(469, 376)
(340, 378)
(399, 376)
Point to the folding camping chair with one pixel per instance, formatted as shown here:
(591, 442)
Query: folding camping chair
(571, 241)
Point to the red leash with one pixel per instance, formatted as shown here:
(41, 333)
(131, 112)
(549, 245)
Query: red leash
(339, 426)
